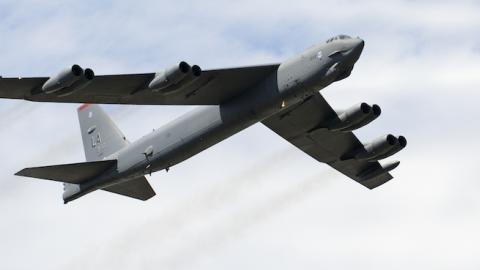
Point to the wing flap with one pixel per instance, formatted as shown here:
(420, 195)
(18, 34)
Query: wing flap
(137, 188)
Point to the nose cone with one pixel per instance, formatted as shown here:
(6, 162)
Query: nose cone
(357, 48)
(354, 48)
(359, 45)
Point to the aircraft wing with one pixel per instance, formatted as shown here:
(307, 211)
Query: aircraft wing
(211, 88)
(300, 126)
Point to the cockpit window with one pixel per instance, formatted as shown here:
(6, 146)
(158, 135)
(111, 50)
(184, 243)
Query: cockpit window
(338, 37)
(344, 37)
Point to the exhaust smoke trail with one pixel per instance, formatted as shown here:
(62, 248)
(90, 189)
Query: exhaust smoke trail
(16, 113)
(216, 236)
(174, 235)
(169, 226)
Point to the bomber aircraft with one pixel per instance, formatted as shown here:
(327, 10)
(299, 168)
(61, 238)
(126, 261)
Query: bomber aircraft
(285, 97)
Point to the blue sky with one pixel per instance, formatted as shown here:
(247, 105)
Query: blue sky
(252, 201)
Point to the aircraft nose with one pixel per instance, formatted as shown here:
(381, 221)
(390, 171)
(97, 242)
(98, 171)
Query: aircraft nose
(357, 48)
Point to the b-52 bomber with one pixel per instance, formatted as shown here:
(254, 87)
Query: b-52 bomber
(285, 97)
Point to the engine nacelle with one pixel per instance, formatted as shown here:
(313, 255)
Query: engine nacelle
(381, 148)
(355, 117)
(402, 142)
(86, 79)
(372, 173)
(175, 76)
(63, 79)
(377, 147)
(192, 76)
(375, 113)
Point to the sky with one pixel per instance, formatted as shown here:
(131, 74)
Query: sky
(252, 201)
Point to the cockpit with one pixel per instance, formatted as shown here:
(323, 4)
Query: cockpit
(338, 37)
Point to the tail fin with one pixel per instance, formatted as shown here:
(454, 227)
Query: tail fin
(101, 137)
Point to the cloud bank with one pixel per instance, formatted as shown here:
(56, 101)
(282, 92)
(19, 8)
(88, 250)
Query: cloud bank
(252, 201)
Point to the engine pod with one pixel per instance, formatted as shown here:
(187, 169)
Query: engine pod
(63, 79)
(377, 148)
(169, 77)
(350, 117)
(402, 142)
(88, 76)
(374, 114)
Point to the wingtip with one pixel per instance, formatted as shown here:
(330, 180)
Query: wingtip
(21, 172)
(152, 195)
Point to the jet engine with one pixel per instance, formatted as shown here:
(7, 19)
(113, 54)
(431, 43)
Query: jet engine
(68, 81)
(375, 113)
(402, 142)
(381, 148)
(88, 76)
(172, 79)
(355, 117)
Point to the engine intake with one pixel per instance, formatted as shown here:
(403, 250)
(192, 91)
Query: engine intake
(355, 117)
(196, 71)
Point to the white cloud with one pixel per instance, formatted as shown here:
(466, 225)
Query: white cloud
(272, 207)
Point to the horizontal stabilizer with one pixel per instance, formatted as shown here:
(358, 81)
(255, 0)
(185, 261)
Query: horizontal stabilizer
(74, 173)
(137, 188)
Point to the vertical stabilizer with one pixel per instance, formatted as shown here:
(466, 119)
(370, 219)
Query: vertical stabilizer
(101, 137)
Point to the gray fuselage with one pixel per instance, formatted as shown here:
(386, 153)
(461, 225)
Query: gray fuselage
(295, 80)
